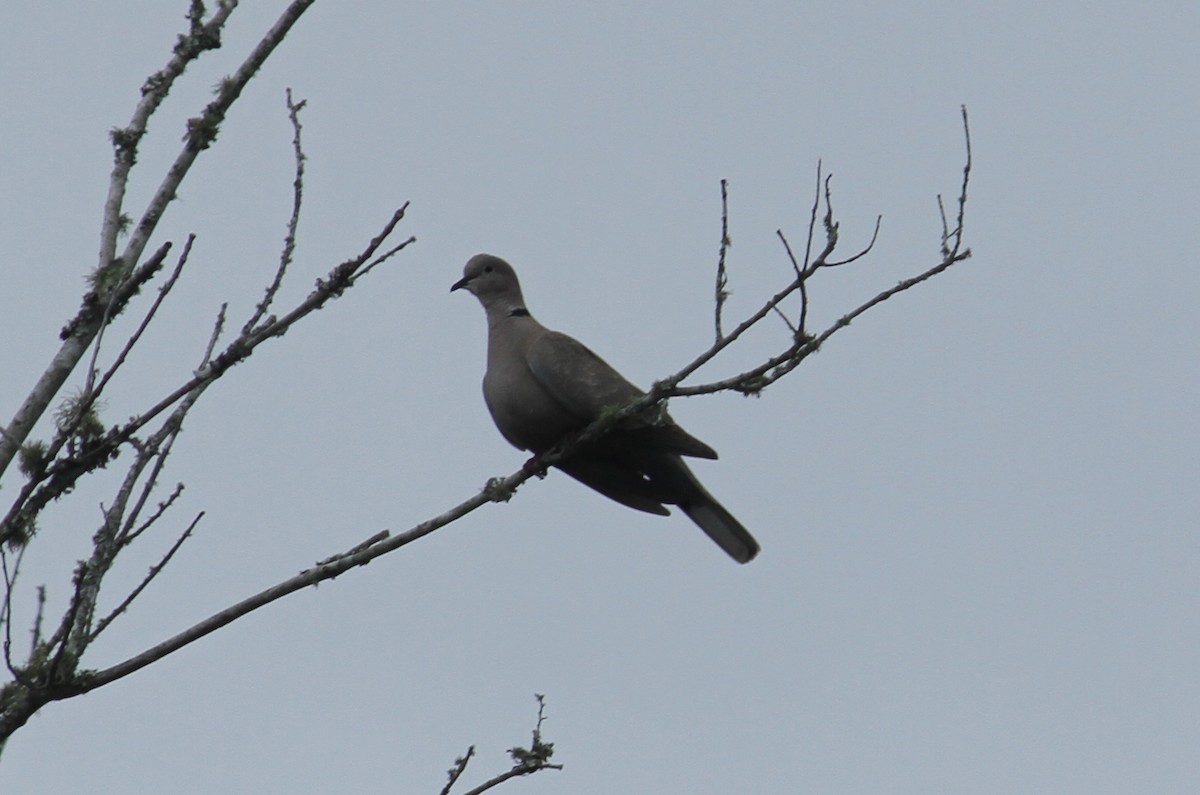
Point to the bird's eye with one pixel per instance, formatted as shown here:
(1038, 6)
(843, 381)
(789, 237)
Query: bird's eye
(488, 269)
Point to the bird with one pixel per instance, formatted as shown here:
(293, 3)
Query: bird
(540, 386)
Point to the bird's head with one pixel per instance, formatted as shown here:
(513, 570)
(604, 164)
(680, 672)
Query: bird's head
(493, 281)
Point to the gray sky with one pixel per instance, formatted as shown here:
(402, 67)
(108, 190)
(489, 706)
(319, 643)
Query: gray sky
(977, 505)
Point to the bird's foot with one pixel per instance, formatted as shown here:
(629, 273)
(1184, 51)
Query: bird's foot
(534, 466)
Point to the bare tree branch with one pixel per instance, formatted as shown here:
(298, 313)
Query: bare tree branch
(54, 671)
(155, 570)
(81, 444)
(720, 293)
(956, 235)
(460, 765)
(201, 37)
(130, 533)
(289, 241)
(526, 761)
(93, 393)
(58, 479)
(10, 584)
(119, 272)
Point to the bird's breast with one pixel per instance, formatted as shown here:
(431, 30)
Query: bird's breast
(526, 415)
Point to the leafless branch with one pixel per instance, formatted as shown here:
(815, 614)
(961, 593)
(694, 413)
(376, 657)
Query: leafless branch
(289, 240)
(154, 571)
(215, 336)
(62, 679)
(505, 776)
(801, 345)
(130, 533)
(862, 252)
(948, 248)
(10, 582)
(35, 632)
(720, 292)
(379, 537)
(113, 273)
(525, 760)
(58, 479)
(798, 269)
(787, 321)
(80, 408)
(803, 318)
(460, 765)
(163, 290)
(109, 539)
(812, 228)
(81, 444)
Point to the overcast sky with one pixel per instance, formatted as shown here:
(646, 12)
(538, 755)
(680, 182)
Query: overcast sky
(977, 505)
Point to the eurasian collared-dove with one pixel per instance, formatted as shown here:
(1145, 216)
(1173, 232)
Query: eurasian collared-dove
(541, 385)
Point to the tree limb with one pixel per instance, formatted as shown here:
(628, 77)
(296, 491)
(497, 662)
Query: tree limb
(201, 133)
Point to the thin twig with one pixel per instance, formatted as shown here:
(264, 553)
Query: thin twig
(289, 240)
(720, 292)
(812, 227)
(103, 623)
(166, 287)
(794, 331)
(455, 772)
(800, 279)
(831, 230)
(214, 336)
(962, 194)
(385, 256)
(945, 227)
(10, 584)
(36, 631)
(862, 252)
(514, 773)
(130, 533)
(57, 673)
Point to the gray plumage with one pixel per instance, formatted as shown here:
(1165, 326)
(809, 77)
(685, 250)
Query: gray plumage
(541, 385)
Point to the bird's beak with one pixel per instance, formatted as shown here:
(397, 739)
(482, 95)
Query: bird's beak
(460, 284)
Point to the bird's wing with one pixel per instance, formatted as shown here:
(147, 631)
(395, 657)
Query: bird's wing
(586, 385)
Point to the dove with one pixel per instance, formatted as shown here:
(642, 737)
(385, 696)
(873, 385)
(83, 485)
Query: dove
(541, 386)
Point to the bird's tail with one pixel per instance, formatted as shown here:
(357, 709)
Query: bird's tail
(711, 517)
